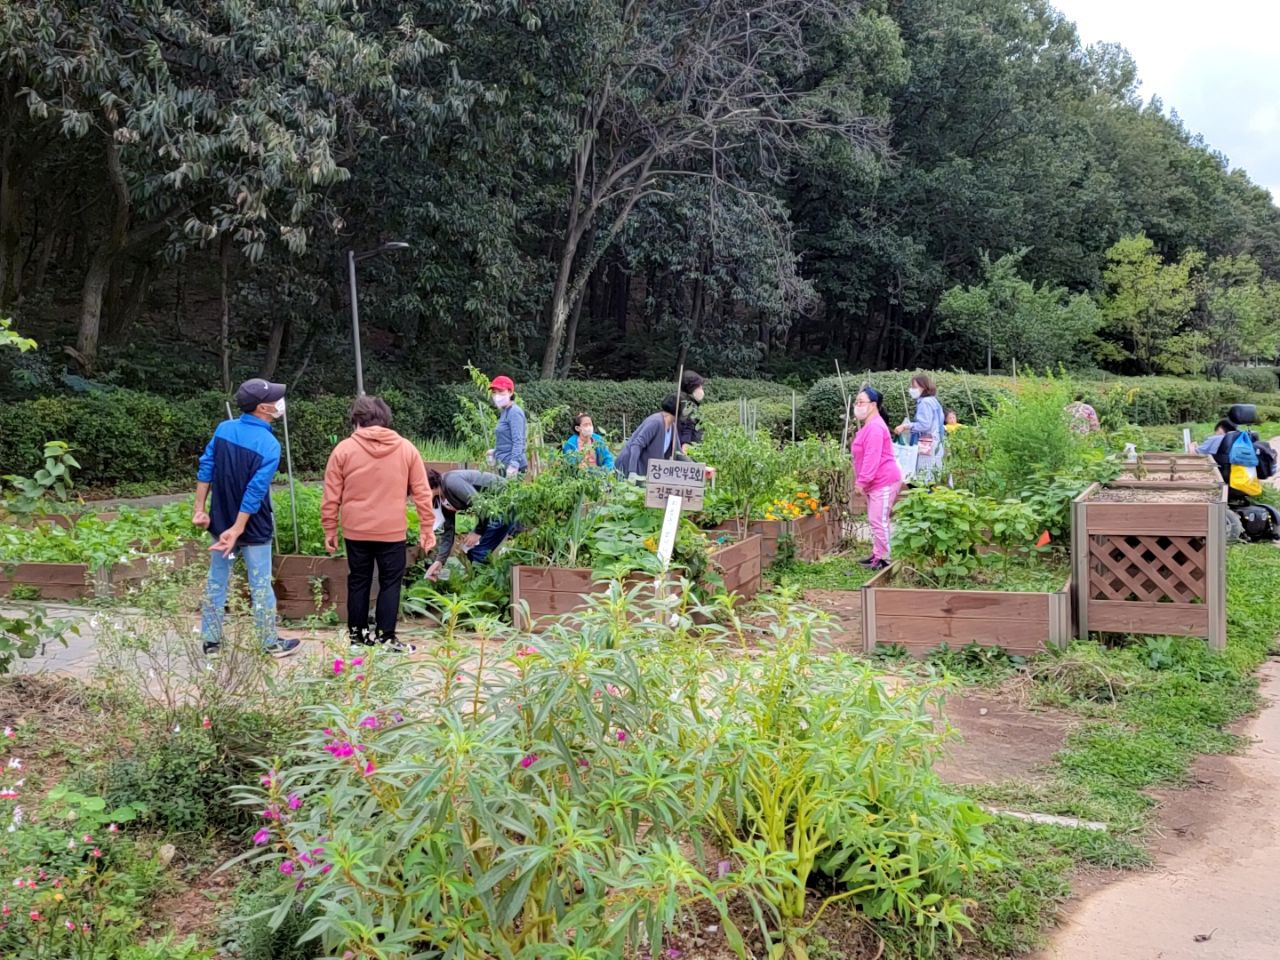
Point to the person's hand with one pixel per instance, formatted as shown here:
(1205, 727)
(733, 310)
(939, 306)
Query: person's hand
(899, 428)
(200, 518)
(433, 571)
(331, 543)
(227, 542)
(512, 471)
(427, 541)
(470, 540)
(488, 457)
(857, 488)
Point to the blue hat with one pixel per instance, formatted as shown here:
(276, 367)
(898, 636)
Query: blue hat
(874, 395)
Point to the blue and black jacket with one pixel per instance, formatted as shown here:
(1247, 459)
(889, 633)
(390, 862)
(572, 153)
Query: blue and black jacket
(238, 464)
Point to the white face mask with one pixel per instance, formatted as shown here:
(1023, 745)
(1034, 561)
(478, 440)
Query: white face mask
(915, 393)
(862, 410)
(698, 394)
(501, 400)
(280, 407)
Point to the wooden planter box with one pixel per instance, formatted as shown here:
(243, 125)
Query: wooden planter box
(815, 536)
(1154, 567)
(443, 466)
(1171, 468)
(922, 619)
(79, 581)
(300, 581)
(740, 565)
(770, 532)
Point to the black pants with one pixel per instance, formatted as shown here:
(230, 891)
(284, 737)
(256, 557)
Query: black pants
(361, 557)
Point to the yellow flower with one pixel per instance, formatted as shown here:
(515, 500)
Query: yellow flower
(650, 543)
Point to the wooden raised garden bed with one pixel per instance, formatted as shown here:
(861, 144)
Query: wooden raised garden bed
(770, 532)
(815, 536)
(1151, 560)
(921, 618)
(306, 586)
(79, 581)
(552, 592)
(1167, 468)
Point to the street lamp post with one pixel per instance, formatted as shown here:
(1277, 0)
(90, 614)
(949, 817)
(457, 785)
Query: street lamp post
(352, 259)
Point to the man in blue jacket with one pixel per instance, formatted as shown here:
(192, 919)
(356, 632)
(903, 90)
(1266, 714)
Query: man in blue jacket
(237, 468)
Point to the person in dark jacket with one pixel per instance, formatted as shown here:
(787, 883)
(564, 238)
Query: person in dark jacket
(455, 492)
(691, 393)
(654, 439)
(236, 468)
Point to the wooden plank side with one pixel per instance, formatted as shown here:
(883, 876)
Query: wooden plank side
(1080, 564)
(1133, 616)
(1146, 519)
(868, 619)
(1216, 576)
(35, 574)
(962, 604)
(1010, 634)
(578, 579)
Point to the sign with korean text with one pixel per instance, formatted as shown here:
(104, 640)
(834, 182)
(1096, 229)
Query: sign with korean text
(675, 478)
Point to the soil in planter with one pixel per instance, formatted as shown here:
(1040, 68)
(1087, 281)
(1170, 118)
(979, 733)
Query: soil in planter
(1044, 575)
(1212, 493)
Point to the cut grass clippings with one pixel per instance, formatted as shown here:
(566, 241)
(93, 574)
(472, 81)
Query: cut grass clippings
(1151, 707)
(836, 573)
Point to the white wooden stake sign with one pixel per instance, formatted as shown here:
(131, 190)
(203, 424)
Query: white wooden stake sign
(667, 539)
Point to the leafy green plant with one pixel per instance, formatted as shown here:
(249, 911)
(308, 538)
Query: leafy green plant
(98, 542)
(476, 419)
(24, 634)
(31, 495)
(749, 466)
(437, 450)
(1030, 433)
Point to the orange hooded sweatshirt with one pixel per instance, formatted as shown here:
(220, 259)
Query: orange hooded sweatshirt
(368, 478)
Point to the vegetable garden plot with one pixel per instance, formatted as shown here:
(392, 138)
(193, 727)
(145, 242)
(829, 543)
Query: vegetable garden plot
(1150, 560)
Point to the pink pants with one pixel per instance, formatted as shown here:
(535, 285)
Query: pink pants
(879, 504)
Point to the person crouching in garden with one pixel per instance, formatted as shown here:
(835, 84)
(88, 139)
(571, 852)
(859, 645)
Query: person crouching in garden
(237, 467)
(876, 473)
(455, 492)
(366, 482)
(586, 448)
(654, 439)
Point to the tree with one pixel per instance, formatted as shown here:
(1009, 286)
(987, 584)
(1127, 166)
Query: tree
(1233, 311)
(714, 91)
(1146, 306)
(1038, 327)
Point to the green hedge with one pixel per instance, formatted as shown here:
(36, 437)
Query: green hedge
(1146, 401)
(125, 436)
(1254, 379)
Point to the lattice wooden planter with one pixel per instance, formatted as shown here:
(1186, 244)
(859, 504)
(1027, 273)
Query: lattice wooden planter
(921, 619)
(1154, 567)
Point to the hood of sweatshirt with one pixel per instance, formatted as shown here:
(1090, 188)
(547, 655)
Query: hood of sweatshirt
(377, 441)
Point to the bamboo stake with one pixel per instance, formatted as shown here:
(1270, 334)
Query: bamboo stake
(293, 498)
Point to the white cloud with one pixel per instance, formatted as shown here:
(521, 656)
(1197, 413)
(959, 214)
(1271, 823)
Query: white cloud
(1265, 119)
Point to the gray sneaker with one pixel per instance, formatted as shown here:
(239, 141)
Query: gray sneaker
(282, 648)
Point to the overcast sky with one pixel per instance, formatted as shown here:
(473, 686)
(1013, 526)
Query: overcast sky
(1216, 63)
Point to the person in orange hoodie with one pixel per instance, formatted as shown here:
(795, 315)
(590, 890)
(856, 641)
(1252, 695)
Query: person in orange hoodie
(366, 482)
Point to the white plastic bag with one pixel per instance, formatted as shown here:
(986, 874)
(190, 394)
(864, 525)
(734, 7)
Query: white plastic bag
(906, 455)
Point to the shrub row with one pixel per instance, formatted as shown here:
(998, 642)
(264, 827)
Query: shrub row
(126, 436)
(1254, 379)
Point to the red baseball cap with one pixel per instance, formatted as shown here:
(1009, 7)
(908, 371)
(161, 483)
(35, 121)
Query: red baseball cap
(503, 383)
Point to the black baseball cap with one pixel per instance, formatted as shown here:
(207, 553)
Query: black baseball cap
(253, 392)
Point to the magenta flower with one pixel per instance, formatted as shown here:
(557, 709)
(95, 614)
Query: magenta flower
(95, 852)
(261, 837)
(326, 868)
(622, 736)
(359, 678)
(358, 662)
(529, 760)
(526, 650)
(337, 666)
(294, 801)
(286, 867)
(266, 780)
(340, 750)
(112, 828)
(206, 723)
(271, 813)
(582, 762)
(370, 722)
(368, 768)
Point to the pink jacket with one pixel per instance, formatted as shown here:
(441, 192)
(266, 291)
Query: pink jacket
(874, 464)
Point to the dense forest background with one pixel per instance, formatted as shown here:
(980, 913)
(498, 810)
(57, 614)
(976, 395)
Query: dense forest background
(602, 189)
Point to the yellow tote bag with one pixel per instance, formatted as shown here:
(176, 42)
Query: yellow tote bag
(1245, 479)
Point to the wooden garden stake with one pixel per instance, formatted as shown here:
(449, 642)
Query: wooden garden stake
(293, 499)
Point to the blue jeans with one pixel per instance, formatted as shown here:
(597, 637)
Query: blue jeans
(492, 533)
(257, 561)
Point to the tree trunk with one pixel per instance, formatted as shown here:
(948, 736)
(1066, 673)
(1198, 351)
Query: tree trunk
(275, 345)
(91, 294)
(224, 335)
(572, 340)
(558, 311)
(128, 307)
(44, 254)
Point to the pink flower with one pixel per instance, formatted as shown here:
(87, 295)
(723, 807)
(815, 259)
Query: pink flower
(622, 736)
(271, 813)
(526, 650)
(286, 867)
(340, 750)
(261, 837)
(95, 852)
(35, 915)
(4, 910)
(358, 662)
(337, 666)
(266, 780)
(7, 794)
(318, 852)
(582, 762)
(86, 839)
(613, 691)
(368, 768)
(304, 858)
(326, 868)
(206, 723)
(529, 760)
(8, 733)
(327, 732)
(294, 801)
(359, 678)
(370, 722)
(722, 869)
(112, 828)
(70, 926)
(671, 953)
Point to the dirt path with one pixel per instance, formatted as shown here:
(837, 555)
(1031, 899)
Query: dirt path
(1214, 893)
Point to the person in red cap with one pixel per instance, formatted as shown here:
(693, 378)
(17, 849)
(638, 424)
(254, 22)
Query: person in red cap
(509, 439)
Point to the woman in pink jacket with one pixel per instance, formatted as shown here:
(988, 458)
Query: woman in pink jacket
(876, 473)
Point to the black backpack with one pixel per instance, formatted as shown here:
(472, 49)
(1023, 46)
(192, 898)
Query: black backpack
(1266, 460)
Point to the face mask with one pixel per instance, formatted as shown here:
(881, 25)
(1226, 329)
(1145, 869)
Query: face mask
(915, 393)
(698, 395)
(501, 400)
(280, 407)
(862, 410)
